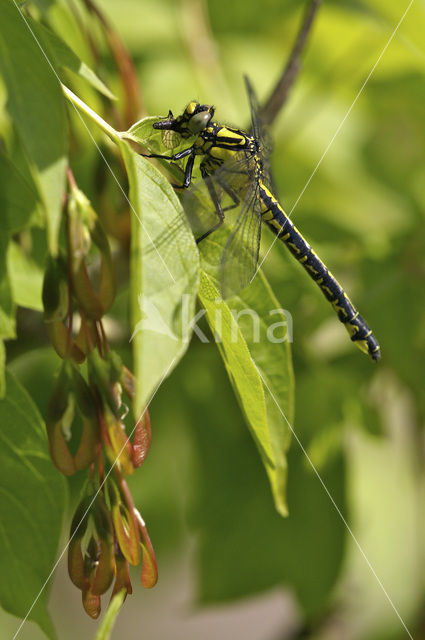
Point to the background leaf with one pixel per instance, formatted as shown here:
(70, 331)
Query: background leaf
(62, 56)
(26, 278)
(32, 502)
(2, 369)
(39, 116)
(243, 546)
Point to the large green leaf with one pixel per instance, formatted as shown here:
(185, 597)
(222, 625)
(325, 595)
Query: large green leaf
(144, 134)
(259, 368)
(161, 142)
(32, 503)
(267, 329)
(19, 201)
(36, 105)
(19, 205)
(164, 275)
(63, 56)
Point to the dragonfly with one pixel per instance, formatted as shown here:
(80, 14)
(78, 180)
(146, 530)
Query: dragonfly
(236, 179)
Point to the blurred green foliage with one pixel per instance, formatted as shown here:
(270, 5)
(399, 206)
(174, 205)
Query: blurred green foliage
(363, 212)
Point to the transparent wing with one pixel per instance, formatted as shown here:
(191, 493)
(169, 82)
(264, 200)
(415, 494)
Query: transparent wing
(233, 188)
(225, 190)
(199, 206)
(221, 192)
(260, 133)
(240, 256)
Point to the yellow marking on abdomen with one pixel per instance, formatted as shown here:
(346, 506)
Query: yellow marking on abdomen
(338, 308)
(276, 224)
(294, 247)
(311, 269)
(325, 288)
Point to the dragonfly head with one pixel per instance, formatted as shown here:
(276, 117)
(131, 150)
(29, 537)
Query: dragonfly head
(194, 119)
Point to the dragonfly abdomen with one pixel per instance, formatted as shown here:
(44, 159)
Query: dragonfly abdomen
(357, 328)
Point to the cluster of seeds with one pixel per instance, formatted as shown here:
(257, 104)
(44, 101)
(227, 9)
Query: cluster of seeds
(86, 415)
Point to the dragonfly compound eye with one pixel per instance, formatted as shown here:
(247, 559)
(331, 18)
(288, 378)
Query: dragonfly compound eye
(199, 121)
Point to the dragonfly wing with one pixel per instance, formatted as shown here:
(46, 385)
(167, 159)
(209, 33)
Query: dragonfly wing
(260, 133)
(240, 256)
(222, 191)
(199, 206)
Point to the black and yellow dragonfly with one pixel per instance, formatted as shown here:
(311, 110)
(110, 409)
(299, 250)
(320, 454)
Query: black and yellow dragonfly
(236, 176)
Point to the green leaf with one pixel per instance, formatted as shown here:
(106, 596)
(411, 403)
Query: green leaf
(267, 331)
(160, 142)
(63, 56)
(26, 278)
(105, 629)
(164, 275)
(36, 105)
(2, 369)
(260, 371)
(44, 5)
(19, 201)
(32, 502)
(19, 205)
(156, 140)
(7, 308)
(244, 546)
(144, 134)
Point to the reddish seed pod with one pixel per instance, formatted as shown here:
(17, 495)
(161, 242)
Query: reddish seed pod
(91, 563)
(76, 568)
(127, 381)
(119, 451)
(76, 564)
(55, 303)
(55, 289)
(108, 282)
(142, 439)
(104, 572)
(84, 227)
(149, 576)
(86, 337)
(91, 604)
(62, 343)
(122, 575)
(71, 392)
(125, 524)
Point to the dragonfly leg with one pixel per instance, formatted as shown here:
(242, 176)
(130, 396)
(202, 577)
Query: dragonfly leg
(218, 209)
(187, 174)
(230, 193)
(176, 156)
(188, 171)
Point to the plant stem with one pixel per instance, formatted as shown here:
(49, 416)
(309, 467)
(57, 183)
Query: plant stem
(95, 117)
